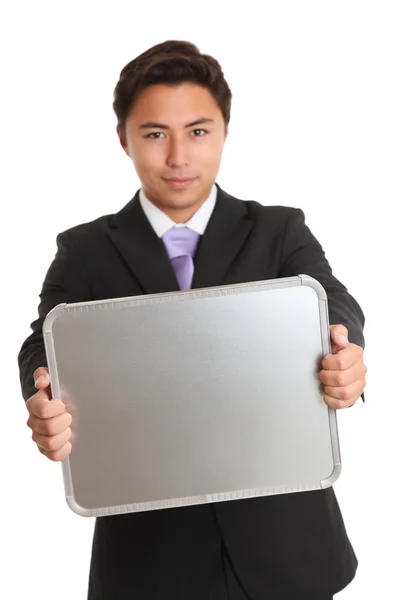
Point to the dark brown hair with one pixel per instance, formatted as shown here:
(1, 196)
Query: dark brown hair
(171, 62)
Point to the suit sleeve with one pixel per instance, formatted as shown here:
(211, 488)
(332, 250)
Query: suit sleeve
(303, 254)
(65, 281)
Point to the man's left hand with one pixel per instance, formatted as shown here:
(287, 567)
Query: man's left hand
(343, 371)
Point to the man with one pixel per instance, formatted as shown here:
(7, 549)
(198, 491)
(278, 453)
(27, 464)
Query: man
(182, 230)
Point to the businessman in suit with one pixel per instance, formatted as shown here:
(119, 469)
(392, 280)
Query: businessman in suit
(181, 230)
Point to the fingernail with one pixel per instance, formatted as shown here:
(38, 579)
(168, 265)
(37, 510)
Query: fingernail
(343, 338)
(39, 380)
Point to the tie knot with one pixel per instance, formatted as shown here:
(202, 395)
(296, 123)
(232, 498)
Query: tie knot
(181, 241)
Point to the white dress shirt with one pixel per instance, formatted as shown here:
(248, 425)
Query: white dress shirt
(162, 223)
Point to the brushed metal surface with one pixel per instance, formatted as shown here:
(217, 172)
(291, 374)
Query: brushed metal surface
(193, 396)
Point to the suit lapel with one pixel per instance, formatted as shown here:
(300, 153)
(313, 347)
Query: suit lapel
(146, 256)
(142, 250)
(227, 230)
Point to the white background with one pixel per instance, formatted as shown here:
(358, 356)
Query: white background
(315, 124)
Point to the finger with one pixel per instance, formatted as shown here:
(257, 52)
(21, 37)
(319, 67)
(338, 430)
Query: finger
(58, 455)
(40, 406)
(339, 378)
(52, 426)
(347, 392)
(340, 329)
(51, 443)
(41, 396)
(343, 360)
(338, 404)
(339, 335)
(41, 377)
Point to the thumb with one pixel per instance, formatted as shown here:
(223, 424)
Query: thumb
(339, 336)
(41, 378)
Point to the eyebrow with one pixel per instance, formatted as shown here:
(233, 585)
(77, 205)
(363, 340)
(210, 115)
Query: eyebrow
(153, 125)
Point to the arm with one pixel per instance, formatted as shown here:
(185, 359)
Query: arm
(301, 253)
(65, 281)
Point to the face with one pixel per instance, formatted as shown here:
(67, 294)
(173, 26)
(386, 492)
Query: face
(175, 136)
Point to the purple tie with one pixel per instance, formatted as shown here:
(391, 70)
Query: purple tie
(181, 244)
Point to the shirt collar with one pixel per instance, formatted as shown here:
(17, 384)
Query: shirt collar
(161, 223)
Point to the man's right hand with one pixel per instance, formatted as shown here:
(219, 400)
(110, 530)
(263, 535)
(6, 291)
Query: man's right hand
(48, 419)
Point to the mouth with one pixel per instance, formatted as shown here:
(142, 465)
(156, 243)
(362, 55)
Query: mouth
(179, 182)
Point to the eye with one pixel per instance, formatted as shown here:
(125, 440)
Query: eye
(197, 130)
(155, 133)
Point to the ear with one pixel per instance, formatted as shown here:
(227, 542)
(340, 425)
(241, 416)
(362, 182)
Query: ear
(122, 139)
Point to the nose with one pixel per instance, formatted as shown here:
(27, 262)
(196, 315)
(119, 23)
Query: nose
(178, 153)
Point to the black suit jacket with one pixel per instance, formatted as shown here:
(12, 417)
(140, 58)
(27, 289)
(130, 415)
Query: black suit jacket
(287, 542)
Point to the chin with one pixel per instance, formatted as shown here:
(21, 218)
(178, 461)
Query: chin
(180, 200)
(166, 197)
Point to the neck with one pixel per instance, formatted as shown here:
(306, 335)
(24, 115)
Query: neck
(182, 215)
(179, 214)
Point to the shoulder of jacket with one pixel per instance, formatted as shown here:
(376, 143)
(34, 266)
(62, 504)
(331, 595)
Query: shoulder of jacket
(257, 207)
(85, 230)
(272, 211)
